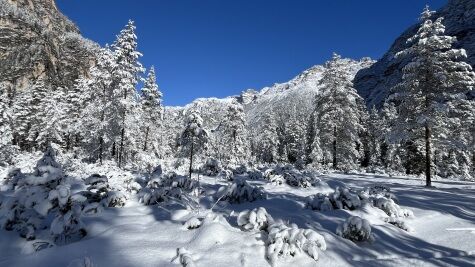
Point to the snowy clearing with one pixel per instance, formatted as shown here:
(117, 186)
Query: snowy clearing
(442, 230)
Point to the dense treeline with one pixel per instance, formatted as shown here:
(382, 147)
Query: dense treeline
(425, 126)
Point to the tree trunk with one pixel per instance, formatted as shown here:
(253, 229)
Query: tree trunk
(334, 149)
(146, 139)
(191, 155)
(101, 147)
(428, 155)
(121, 149)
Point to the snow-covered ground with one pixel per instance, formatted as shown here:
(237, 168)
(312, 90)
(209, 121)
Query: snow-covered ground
(442, 230)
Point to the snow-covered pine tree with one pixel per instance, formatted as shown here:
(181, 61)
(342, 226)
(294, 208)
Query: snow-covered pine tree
(339, 112)
(267, 140)
(6, 133)
(374, 136)
(126, 76)
(48, 124)
(391, 151)
(194, 138)
(433, 81)
(234, 135)
(75, 102)
(152, 111)
(100, 118)
(295, 139)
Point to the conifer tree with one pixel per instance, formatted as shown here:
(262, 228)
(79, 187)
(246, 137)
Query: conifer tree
(152, 109)
(126, 76)
(339, 113)
(194, 138)
(433, 82)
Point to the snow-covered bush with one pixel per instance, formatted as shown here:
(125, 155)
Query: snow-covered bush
(254, 174)
(84, 262)
(186, 260)
(211, 167)
(342, 198)
(399, 223)
(391, 208)
(377, 191)
(98, 190)
(320, 202)
(240, 191)
(165, 187)
(288, 241)
(294, 177)
(355, 229)
(12, 178)
(193, 223)
(241, 169)
(256, 219)
(44, 192)
(227, 175)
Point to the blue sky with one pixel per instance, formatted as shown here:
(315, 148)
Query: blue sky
(205, 48)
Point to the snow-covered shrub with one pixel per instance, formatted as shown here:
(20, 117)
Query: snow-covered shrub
(241, 169)
(85, 262)
(240, 191)
(256, 219)
(294, 177)
(98, 190)
(355, 229)
(391, 208)
(288, 241)
(186, 260)
(211, 167)
(342, 198)
(254, 174)
(227, 175)
(320, 202)
(44, 192)
(277, 180)
(398, 222)
(268, 173)
(377, 191)
(67, 227)
(193, 223)
(12, 178)
(165, 187)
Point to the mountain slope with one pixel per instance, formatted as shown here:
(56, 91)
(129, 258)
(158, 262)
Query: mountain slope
(375, 82)
(37, 41)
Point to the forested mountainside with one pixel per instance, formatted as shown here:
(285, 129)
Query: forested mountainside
(38, 42)
(374, 83)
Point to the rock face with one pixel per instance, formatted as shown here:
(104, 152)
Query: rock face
(37, 41)
(375, 82)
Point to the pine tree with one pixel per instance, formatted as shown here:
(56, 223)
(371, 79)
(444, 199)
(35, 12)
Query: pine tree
(432, 80)
(234, 134)
(194, 138)
(339, 114)
(100, 118)
(6, 133)
(268, 140)
(126, 76)
(152, 110)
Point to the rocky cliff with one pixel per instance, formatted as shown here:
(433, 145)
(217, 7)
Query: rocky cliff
(375, 82)
(37, 41)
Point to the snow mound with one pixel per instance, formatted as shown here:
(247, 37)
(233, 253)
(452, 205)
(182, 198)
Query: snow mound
(355, 229)
(256, 219)
(288, 241)
(240, 191)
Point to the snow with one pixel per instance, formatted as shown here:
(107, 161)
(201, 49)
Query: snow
(443, 229)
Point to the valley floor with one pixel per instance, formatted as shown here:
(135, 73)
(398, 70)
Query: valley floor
(443, 230)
